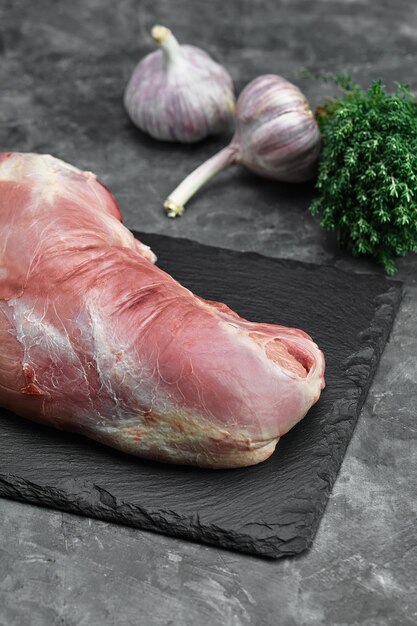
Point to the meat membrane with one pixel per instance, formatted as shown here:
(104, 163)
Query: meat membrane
(96, 339)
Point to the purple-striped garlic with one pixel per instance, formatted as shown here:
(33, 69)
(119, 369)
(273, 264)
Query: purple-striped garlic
(276, 137)
(178, 93)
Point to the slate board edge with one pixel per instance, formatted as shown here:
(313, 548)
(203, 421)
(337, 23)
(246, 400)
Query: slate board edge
(359, 366)
(100, 504)
(293, 263)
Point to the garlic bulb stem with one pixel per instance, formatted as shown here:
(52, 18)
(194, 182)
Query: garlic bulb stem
(174, 204)
(171, 49)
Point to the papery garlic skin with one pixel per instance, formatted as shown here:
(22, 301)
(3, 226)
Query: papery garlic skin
(178, 93)
(277, 134)
(276, 137)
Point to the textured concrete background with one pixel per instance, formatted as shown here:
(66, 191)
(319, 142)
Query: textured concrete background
(62, 72)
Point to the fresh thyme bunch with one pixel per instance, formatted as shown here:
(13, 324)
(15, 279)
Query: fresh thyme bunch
(367, 180)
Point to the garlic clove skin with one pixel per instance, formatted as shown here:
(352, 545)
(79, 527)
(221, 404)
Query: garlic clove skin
(277, 134)
(178, 93)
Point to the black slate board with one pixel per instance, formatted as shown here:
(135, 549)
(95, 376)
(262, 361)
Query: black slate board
(272, 509)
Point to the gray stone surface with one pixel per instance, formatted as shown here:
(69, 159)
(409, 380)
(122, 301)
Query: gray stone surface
(63, 68)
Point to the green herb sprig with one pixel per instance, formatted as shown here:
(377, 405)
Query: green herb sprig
(367, 180)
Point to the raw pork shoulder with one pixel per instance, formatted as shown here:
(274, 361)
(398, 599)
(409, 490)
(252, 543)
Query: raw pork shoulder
(96, 339)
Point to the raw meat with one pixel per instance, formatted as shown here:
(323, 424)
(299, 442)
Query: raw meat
(95, 339)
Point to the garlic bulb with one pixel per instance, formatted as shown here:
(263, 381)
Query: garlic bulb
(179, 93)
(276, 137)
